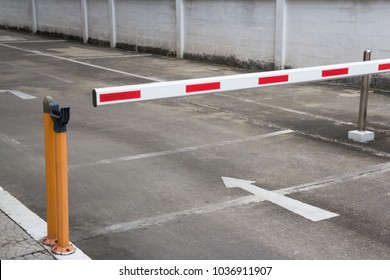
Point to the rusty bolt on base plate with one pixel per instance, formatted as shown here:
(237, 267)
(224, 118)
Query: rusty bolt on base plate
(68, 250)
(49, 241)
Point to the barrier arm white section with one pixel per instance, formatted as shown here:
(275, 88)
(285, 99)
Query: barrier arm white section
(143, 92)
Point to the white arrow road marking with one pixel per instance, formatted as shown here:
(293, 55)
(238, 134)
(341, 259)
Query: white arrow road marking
(307, 211)
(245, 200)
(19, 94)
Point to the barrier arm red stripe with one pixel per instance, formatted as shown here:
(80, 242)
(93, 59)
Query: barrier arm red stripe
(203, 87)
(107, 97)
(383, 67)
(273, 79)
(335, 72)
(116, 96)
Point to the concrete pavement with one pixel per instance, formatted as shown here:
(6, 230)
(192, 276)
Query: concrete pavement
(21, 232)
(145, 180)
(16, 244)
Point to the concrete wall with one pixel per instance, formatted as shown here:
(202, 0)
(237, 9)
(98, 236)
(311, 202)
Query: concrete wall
(16, 13)
(265, 33)
(150, 23)
(98, 20)
(244, 29)
(323, 32)
(59, 16)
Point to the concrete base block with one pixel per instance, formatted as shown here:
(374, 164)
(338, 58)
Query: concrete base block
(361, 136)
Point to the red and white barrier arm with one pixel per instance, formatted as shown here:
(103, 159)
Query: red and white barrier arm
(143, 92)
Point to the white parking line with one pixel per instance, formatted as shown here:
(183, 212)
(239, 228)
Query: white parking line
(39, 159)
(43, 74)
(84, 63)
(7, 38)
(156, 220)
(337, 121)
(112, 56)
(331, 180)
(160, 219)
(19, 94)
(349, 144)
(37, 41)
(57, 78)
(285, 109)
(182, 150)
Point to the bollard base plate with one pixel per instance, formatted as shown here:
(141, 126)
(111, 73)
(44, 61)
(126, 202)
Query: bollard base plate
(361, 136)
(55, 249)
(49, 241)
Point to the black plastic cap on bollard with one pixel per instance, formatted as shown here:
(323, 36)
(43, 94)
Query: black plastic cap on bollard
(60, 119)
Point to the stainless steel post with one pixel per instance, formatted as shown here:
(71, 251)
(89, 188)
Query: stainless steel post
(364, 96)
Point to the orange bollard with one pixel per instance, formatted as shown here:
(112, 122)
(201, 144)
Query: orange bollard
(63, 246)
(51, 197)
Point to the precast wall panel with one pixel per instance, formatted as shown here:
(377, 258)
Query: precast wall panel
(59, 16)
(325, 32)
(149, 23)
(242, 29)
(98, 20)
(16, 13)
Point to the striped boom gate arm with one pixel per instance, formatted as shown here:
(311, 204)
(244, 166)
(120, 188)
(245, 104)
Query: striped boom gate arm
(159, 90)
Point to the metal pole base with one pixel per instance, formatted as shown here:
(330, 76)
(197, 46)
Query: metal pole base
(49, 241)
(361, 136)
(56, 249)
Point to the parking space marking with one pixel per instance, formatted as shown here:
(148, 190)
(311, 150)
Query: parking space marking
(365, 149)
(10, 41)
(34, 71)
(181, 150)
(160, 219)
(21, 148)
(285, 109)
(7, 38)
(331, 180)
(242, 201)
(57, 78)
(112, 56)
(37, 41)
(83, 63)
(19, 94)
